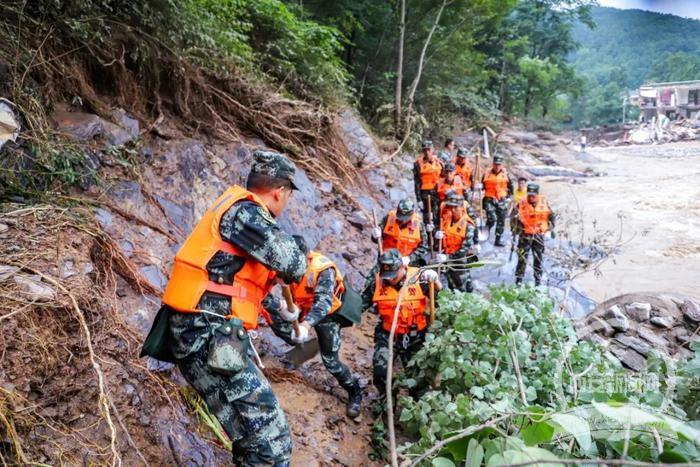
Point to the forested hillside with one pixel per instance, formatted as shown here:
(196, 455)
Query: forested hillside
(625, 49)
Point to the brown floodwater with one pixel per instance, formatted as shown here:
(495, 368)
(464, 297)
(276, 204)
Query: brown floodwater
(655, 190)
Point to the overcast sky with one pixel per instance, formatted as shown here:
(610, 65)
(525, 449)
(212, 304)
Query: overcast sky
(687, 8)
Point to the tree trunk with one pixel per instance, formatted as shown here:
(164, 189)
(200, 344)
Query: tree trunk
(416, 80)
(399, 70)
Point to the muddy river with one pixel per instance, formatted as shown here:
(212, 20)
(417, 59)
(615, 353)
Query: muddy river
(655, 192)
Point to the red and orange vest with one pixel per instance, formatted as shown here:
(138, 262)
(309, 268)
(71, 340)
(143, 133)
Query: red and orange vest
(412, 309)
(454, 232)
(429, 172)
(303, 291)
(190, 278)
(405, 239)
(464, 171)
(496, 185)
(456, 185)
(535, 219)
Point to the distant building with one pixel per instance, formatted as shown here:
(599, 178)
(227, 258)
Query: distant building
(680, 99)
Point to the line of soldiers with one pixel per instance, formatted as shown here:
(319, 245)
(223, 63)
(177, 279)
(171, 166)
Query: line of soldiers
(224, 274)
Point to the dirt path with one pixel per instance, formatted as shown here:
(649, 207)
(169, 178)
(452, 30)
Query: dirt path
(655, 189)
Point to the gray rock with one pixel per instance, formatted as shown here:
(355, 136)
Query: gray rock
(663, 321)
(87, 267)
(397, 194)
(657, 342)
(104, 218)
(325, 187)
(83, 126)
(358, 220)
(683, 336)
(68, 269)
(601, 326)
(639, 311)
(524, 137)
(34, 290)
(691, 310)
(357, 139)
(629, 358)
(127, 248)
(154, 276)
(552, 171)
(177, 214)
(4, 228)
(128, 123)
(7, 271)
(634, 343)
(617, 319)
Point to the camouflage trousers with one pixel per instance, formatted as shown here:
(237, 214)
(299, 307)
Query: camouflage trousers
(405, 346)
(496, 213)
(243, 403)
(459, 280)
(329, 340)
(525, 244)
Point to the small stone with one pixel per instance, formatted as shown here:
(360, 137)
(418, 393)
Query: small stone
(7, 271)
(87, 268)
(35, 290)
(657, 342)
(326, 187)
(617, 319)
(639, 311)
(358, 219)
(662, 321)
(629, 358)
(691, 310)
(597, 325)
(68, 269)
(4, 228)
(634, 343)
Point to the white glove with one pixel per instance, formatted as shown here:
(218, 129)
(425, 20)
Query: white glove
(429, 227)
(405, 260)
(420, 205)
(478, 186)
(287, 315)
(548, 235)
(376, 233)
(441, 257)
(439, 235)
(429, 276)
(303, 334)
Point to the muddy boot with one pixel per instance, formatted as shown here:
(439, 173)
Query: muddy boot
(352, 409)
(498, 241)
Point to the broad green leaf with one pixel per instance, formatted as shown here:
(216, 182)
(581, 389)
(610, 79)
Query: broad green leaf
(442, 462)
(475, 454)
(626, 414)
(575, 426)
(672, 457)
(537, 433)
(458, 448)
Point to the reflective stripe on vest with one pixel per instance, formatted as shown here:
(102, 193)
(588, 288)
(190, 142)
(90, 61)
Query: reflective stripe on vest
(456, 185)
(454, 233)
(304, 290)
(190, 278)
(429, 173)
(412, 309)
(405, 239)
(464, 171)
(496, 185)
(535, 219)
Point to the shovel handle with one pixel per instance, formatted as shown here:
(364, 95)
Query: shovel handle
(376, 224)
(431, 287)
(287, 294)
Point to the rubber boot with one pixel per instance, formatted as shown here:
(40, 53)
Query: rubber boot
(352, 409)
(498, 241)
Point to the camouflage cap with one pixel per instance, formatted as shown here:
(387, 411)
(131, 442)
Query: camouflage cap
(461, 152)
(275, 165)
(454, 200)
(404, 210)
(533, 189)
(449, 167)
(427, 144)
(498, 159)
(390, 263)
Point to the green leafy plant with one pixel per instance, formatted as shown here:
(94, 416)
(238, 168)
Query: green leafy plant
(511, 356)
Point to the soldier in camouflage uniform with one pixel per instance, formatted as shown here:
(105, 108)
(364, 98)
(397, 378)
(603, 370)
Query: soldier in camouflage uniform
(406, 218)
(380, 296)
(243, 402)
(498, 194)
(459, 244)
(322, 318)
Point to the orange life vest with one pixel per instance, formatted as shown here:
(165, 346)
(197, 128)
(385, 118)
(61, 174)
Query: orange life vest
(464, 171)
(405, 239)
(454, 233)
(429, 173)
(496, 185)
(535, 219)
(190, 278)
(444, 213)
(456, 185)
(303, 291)
(412, 309)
